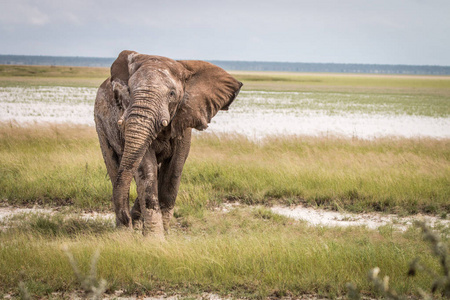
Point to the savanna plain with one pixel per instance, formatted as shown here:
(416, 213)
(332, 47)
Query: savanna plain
(225, 240)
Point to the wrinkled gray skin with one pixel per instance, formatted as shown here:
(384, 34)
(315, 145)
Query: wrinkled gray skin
(144, 114)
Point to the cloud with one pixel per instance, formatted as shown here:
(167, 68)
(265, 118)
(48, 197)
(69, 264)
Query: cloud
(21, 12)
(349, 31)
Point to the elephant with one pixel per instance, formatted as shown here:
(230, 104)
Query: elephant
(144, 115)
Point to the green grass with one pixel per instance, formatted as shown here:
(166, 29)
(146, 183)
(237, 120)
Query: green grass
(366, 80)
(11, 75)
(63, 164)
(349, 83)
(243, 253)
(395, 175)
(265, 81)
(42, 165)
(52, 71)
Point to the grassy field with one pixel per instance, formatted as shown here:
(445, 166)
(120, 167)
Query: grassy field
(243, 253)
(60, 164)
(11, 75)
(373, 84)
(265, 81)
(249, 251)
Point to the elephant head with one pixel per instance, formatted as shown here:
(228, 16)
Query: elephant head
(156, 93)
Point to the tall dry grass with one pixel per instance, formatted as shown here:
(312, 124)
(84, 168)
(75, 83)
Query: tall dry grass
(390, 174)
(63, 164)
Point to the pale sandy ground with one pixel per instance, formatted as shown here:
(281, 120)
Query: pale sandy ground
(313, 216)
(260, 124)
(326, 218)
(320, 217)
(8, 212)
(75, 105)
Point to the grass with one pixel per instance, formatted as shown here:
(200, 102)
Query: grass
(41, 165)
(62, 164)
(392, 175)
(11, 75)
(243, 253)
(52, 71)
(324, 82)
(263, 81)
(331, 79)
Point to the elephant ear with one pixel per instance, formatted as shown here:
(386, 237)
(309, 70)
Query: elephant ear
(121, 94)
(120, 69)
(208, 89)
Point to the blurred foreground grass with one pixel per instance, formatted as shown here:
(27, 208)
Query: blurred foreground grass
(62, 164)
(243, 253)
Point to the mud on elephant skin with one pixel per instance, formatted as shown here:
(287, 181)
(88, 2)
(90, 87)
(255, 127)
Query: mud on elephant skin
(144, 114)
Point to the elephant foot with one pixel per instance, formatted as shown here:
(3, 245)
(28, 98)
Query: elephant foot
(153, 223)
(136, 217)
(167, 215)
(123, 219)
(138, 224)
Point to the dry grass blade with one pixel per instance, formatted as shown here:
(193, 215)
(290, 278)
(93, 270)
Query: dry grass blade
(93, 287)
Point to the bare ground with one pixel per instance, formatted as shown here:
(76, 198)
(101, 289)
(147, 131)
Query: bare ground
(313, 216)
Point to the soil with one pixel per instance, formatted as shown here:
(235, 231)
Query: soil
(313, 216)
(320, 217)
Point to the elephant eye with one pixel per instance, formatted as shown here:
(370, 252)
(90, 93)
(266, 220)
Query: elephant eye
(172, 93)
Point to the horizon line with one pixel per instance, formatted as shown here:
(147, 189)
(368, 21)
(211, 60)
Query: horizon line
(240, 61)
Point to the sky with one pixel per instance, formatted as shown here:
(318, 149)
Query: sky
(411, 32)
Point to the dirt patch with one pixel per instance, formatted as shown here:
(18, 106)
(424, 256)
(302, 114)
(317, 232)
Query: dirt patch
(7, 214)
(313, 216)
(320, 217)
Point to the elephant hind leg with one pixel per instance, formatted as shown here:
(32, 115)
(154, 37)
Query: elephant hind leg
(169, 178)
(136, 216)
(110, 157)
(112, 160)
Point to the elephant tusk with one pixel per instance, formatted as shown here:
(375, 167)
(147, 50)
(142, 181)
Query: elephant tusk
(120, 122)
(164, 123)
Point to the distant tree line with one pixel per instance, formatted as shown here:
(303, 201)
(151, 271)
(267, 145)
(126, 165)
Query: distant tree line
(239, 65)
(74, 61)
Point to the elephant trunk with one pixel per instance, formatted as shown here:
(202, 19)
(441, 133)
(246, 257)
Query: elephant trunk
(141, 128)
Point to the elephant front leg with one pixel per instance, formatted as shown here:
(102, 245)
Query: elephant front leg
(120, 199)
(111, 159)
(167, 215)
(147, 190)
